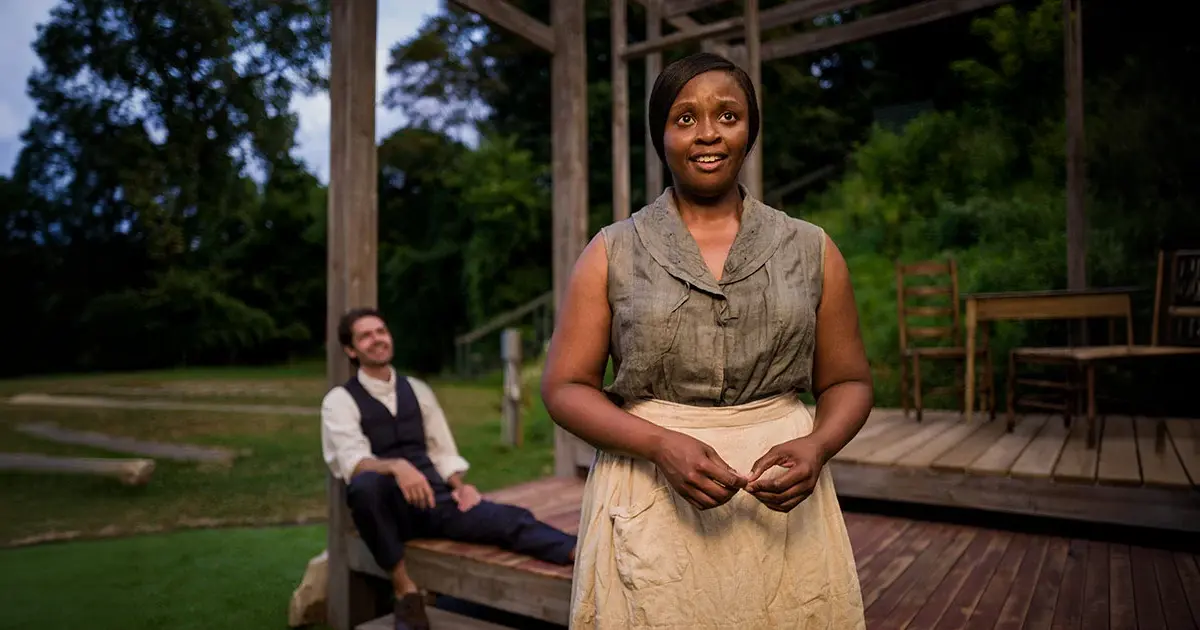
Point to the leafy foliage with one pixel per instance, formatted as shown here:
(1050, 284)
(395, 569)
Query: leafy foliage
(156, 216)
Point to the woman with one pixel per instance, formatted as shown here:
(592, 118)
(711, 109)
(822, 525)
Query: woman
(708, 505)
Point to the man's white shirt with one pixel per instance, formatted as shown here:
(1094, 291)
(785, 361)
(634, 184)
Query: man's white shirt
(344, 444)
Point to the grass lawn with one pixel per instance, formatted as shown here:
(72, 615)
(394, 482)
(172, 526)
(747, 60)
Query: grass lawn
(229, 577)
(280, 480)
(193, 580)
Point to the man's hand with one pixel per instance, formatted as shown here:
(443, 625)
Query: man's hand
(413, 484)
(467, 496)
(801, 459)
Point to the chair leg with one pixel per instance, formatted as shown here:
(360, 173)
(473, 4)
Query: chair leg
(917, 385)
(1075, 395)
(960, 382)
(991, 384)
(1012, 391)
(904, 386)
(1091, 406)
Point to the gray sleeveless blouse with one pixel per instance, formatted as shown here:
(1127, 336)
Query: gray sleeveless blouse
(679, 335)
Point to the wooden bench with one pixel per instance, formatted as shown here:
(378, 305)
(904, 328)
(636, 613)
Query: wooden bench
(479, 574)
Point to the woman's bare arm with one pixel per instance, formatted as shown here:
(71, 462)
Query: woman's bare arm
(571, 390)
(842, 382)
(575, 363)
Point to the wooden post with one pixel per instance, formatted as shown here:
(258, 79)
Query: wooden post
(1076, 175)
(752, 169)
(129, 471)
(654, 166)
(352, 257)
(569, 155)
(510, 353)
(620, 111)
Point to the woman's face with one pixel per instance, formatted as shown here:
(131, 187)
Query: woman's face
(706, 135)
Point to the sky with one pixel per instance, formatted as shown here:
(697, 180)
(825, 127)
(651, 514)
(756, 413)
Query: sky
(398, 20)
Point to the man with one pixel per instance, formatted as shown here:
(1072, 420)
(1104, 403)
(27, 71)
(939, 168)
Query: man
(387, 437)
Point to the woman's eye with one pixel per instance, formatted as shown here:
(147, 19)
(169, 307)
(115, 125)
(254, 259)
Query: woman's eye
(686, 119)
(728, 117)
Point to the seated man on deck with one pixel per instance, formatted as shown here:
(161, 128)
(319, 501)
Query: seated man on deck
(387, 437)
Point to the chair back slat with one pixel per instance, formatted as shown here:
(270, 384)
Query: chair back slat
(927, 303)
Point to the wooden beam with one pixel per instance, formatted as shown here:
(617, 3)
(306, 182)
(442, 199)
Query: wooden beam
(704, 31)
(865, 28)
(672, 8)
(751, 175)
(352, 243)
(569, 133)
(777, 17)
(121, 444)
(803, 10)
(654, 167)
(512, 19)
(1076, 170)
(620, 111)
(130, 472)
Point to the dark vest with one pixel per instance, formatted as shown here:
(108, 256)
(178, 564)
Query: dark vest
(401, 436)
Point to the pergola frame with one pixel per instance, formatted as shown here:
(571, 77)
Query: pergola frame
(352, 238)
(352, 245)
(753, 52)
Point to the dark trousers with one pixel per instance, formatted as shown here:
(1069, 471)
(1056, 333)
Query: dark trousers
(386, 521)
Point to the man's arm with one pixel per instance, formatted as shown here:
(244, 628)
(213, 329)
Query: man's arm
(346, 450)
(439, 442)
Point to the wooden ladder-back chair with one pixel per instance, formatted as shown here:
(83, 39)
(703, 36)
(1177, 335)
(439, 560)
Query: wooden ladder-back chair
(1174, 332)
(1178, 319)
(930, 328)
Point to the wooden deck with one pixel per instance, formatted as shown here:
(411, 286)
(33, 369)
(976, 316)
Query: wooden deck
(914, 574)
(1042, 468)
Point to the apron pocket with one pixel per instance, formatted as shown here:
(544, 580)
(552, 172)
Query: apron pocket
(646, 542)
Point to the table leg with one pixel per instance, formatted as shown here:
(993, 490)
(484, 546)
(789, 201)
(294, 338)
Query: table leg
(969, 394)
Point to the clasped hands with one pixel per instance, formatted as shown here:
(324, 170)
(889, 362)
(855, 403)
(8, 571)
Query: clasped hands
(701, 477)
(419, 494)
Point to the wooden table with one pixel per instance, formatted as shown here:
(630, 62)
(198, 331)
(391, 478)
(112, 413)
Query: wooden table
(1029, 305)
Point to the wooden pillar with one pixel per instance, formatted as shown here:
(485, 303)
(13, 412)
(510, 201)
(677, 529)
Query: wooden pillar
(510, 404)
(352, 252)
(620, 111)
(654, 166)
(569, 154)
(1076, 174)
(752, 169)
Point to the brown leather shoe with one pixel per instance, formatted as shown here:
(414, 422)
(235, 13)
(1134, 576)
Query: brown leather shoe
(409, 612)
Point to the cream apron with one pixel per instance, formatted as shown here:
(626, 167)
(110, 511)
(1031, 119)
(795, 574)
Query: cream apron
(648, 559)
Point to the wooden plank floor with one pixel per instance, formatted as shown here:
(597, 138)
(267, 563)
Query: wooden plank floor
(929, 575)
(1040, 468)
(1038, 447)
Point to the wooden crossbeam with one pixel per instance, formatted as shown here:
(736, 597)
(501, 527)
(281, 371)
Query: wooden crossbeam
(513, 20)
(672, 8)
(821, 39)
(705, 31)
(682, 22)
(801, 10)
(777, 17)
